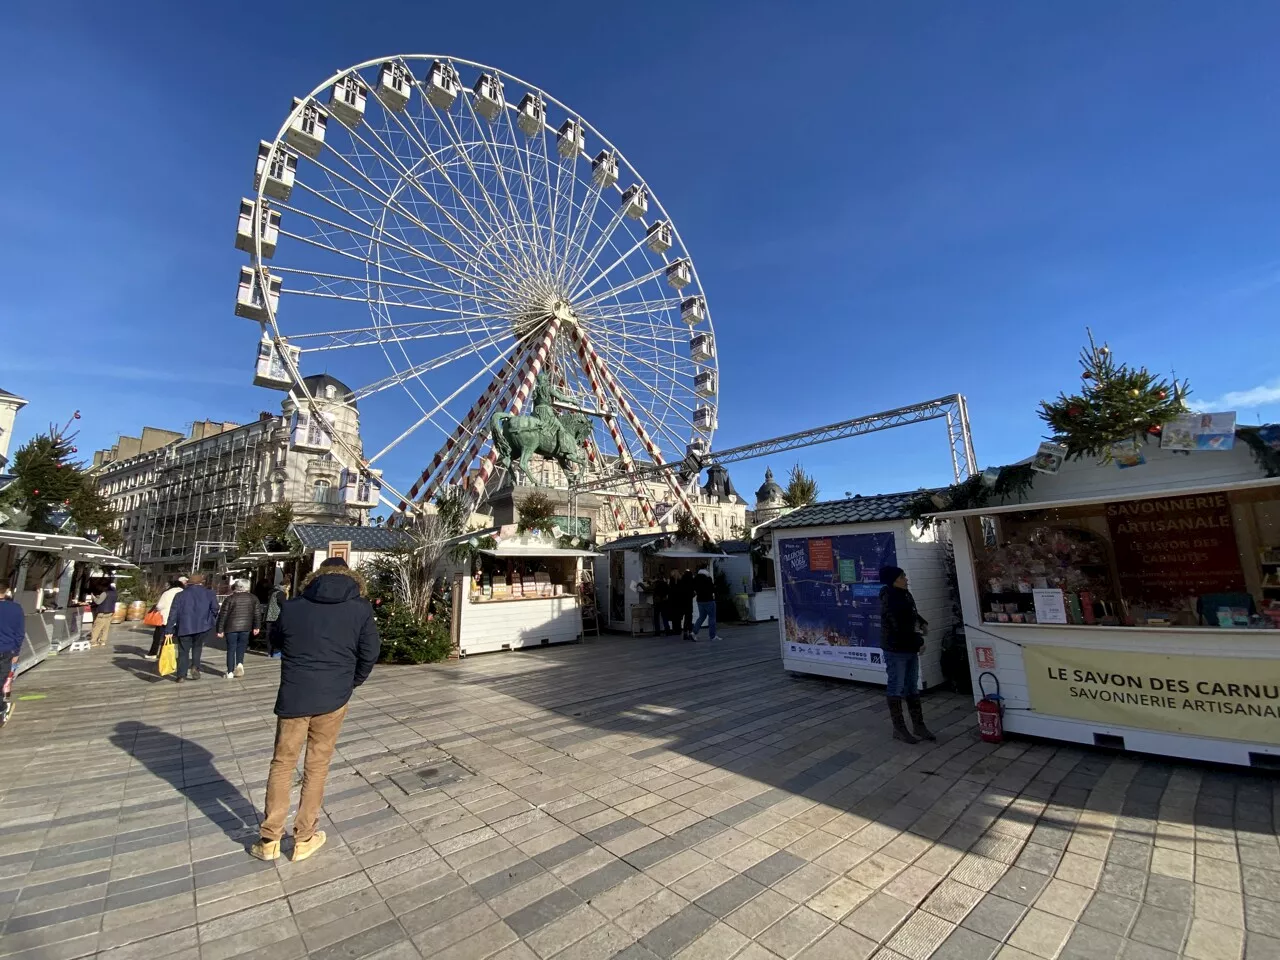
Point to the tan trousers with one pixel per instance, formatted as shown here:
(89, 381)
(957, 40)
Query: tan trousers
(101, 628)
(319, 733)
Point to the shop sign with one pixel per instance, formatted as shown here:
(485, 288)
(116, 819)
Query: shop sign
(831, 593)
(1051, 605)
(1209, 696)
(340, 550)
(985, 657)
(1172, 547)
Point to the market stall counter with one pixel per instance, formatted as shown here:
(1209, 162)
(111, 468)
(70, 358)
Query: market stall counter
(1133, 605)
(523, 592)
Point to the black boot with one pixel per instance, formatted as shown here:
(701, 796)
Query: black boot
(917, 719)
(900, 731)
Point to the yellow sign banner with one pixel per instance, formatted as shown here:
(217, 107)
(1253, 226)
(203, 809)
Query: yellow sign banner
(1205, 696)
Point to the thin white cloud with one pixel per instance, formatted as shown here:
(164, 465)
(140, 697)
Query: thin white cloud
(1262, 395)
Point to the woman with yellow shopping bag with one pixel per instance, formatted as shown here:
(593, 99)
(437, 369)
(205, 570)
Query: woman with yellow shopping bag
(158, 615)
(168, 657)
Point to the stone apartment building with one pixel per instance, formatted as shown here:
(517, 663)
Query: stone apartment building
(184, 498)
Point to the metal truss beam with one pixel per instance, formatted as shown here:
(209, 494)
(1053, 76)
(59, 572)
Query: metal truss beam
(953, 409)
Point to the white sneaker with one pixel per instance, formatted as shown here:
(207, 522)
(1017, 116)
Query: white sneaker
(239, 669)
(147, 656)
(230, 676)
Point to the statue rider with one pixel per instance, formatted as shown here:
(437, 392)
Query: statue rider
(544, 395)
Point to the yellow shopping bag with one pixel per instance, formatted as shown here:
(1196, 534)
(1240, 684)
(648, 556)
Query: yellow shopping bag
(168, 662)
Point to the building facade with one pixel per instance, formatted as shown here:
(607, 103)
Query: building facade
(10, 404)
(184, 499)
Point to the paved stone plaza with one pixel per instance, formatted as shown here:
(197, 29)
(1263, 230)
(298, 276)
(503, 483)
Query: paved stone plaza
(629, 798)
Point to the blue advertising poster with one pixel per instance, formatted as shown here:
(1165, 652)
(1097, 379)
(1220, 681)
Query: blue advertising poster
(831, 594)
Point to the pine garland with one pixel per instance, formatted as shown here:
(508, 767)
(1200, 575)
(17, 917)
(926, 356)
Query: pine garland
(1117, 403)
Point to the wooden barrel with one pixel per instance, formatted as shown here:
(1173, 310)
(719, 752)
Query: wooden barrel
(137, 609)
(118, 615)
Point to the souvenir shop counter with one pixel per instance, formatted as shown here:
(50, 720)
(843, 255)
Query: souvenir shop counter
(1134, 606)
(511, 601)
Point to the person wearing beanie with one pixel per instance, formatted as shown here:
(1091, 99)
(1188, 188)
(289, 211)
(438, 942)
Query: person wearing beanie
(902, 632)
(329, 644)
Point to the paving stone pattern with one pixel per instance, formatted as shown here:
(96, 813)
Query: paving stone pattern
(627, 798)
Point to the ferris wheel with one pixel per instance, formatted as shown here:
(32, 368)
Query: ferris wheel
(435, 234)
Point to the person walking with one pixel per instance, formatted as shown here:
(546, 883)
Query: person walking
(163, 606)
(902, 632)
(660, 602)
(192, 616)
(13, 630)
(104, 607)
(274, 603)
(240, 616)
(329, 643)
(704, 589)
(684, 604)
(674, 620)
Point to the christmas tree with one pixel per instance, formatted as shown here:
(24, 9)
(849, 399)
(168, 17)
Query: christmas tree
(1116, 403)
(50, 486)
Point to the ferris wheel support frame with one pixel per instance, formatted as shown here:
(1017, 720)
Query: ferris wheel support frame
(636, 425)
(540, 354)
(602, 401)
(499, 387)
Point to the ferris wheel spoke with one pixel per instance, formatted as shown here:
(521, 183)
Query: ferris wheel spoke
(609, 269)
(422, 285)
(616, 312)
(413, 133)
(585, 263)
(407, 176)
(416, 371)
(621, 288)
(429, 416)
(654, 389)
(493, 148)
(582, 225)
(525, 168)
(401, 246)
(390, 204)
(683, 362)
(523, 254)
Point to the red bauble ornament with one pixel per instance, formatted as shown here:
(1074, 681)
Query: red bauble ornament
(1154, 430)
(66, 503)
(35, 493)
(1074, 411)
(1163, 395)
(1087, 375)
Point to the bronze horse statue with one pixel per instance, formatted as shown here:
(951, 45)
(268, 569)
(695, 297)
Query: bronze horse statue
(516, 438)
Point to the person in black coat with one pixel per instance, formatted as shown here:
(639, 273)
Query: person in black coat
(240, 616)
(684, 604)
(902, 632)
(329, 644)
(661, 602)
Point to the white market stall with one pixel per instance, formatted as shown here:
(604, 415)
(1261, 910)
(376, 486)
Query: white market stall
(827, 560)
(41, 568)
(1134, 604)
(630, 564)
(523, 592)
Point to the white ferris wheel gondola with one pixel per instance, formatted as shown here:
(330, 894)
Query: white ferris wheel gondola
(446, 241)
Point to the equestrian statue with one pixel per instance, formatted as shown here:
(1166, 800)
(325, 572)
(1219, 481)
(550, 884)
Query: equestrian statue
(516, 438)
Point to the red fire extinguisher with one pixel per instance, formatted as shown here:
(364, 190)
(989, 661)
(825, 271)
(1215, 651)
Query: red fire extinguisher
(990, 711)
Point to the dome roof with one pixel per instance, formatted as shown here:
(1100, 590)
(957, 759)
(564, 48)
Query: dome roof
(769, 491)
(316, 384)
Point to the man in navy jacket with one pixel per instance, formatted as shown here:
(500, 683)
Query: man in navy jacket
(192, 616)
(13, 629)
(330, 643)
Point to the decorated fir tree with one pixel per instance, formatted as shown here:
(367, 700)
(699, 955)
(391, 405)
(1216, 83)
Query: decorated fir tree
(49, 485)
(1116, 403)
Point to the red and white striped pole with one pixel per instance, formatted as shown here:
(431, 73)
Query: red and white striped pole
(602, 402)
(597, 461)
(540, 354)
(501, 379)
(592, 359)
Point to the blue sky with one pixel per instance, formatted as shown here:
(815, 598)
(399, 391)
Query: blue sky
(886, 202)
